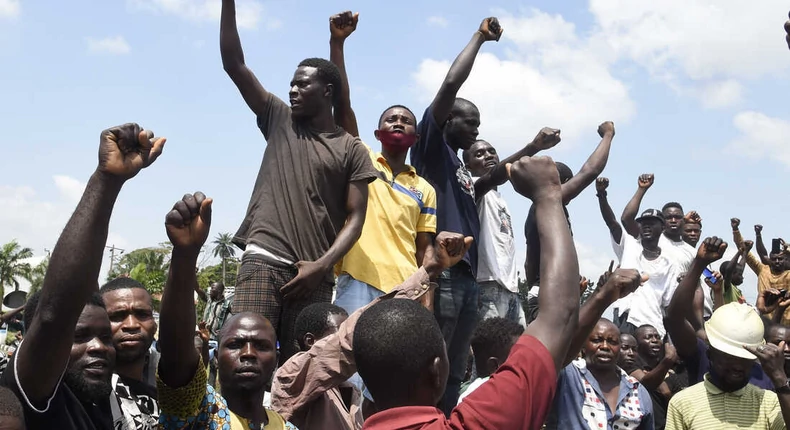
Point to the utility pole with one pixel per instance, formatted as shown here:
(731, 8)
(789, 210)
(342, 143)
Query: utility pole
(112, 249)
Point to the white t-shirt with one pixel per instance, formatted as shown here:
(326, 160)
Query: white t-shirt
(649, 301)
(496, 245)
(685, 254)
(472, 387)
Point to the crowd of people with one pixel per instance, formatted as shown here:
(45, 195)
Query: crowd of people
(368, 285)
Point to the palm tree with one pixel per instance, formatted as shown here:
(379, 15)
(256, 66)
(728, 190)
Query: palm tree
(12, 266)
(36, 276)
(223, 248)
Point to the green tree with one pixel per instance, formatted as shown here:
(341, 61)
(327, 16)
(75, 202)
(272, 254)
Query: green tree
(12, 266)
(36, 276)
(224, 249)
(148, 266)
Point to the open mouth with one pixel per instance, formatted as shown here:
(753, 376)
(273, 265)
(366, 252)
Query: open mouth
(490, 164)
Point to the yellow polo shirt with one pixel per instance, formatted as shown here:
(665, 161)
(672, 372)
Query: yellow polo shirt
(398, 209)
(704, 406)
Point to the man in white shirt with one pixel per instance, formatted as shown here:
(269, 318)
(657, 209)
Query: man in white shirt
(496, 268)
(660, 263)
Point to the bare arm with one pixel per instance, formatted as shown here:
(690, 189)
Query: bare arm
(762, 252)
(606, 210)
(546, 139)
(459, 71)
(772, 361)
(201, 294)
(555, 326)
(682, 304)
(187, 227)
(233, 61)
(615, 285)
(423, 241)
(592, 168)
(340, 27)
(654, 378)
(10, 314)
(628, 218)
(311, 273)
(76, 261)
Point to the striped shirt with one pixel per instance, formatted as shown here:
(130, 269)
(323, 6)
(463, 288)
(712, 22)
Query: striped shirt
(704, 406)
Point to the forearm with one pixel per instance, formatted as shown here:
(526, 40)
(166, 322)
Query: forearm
(10, 314)
(591, 169)
(229, 41)
(718, 297)
(653, 379)
(179, 357)
(344, 114)
(784, 403)
(760, 248)
(628, 218)
(559, 269)
(70, 280)
(778, 315)
(455, 78)
(345, 239)
(682, 302)
(609, 218)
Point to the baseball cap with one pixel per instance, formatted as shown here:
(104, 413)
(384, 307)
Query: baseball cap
(651, 213)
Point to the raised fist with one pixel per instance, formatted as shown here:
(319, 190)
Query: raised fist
(712, 249)
(188, 223)
(448, 249)
(601, 184)
(606, 128)
(735, 223)
(534, 177)
(623, 282)
(126, 149)
(547, 138)
(490, 29)
(758, 229)
(343, 24)
(645, 180)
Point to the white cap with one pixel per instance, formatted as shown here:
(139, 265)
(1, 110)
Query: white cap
(732, 326)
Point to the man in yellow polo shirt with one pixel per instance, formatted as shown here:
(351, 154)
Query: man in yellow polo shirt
(401, 215)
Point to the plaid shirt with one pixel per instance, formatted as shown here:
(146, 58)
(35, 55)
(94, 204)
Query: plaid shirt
(215, 314)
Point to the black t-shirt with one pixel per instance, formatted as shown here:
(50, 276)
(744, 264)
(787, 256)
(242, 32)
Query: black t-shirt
(65, 411)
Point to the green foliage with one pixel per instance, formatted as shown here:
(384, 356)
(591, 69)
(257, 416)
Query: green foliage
(148, 266)
(11, 265)
(37, 274)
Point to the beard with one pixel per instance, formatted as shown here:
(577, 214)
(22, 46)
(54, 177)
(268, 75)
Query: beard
(87, 391)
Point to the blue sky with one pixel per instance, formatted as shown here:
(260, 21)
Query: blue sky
(694, 88)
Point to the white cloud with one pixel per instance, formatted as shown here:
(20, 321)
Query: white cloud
(69, 187)
(37, 223)
(438, 21)
(550, 76)
(248, 12)
(721, 94)
(109, 45)
(9, 8)
(761, 137)
(697, 47)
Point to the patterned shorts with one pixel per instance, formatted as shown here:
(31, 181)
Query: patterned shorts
(258, 290)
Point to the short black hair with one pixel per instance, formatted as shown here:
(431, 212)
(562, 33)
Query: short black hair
(672, 205)
(31, 305)
(327, 72)
(10, 405)
(643, 327)
(394, 341)
(314, 319)
(381, 118)
(466, 153)
(493, 337)
(122, 283)
(462, 104)
(564, 171)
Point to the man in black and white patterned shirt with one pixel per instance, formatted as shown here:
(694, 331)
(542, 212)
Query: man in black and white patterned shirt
(130, 308)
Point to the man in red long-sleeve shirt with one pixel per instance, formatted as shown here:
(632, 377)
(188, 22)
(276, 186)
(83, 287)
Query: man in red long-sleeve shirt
(400, 353)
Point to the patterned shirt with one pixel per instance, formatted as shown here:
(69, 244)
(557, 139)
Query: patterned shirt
(197, 406)
(215, 314)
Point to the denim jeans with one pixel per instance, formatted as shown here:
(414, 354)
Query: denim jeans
(498, 301)
(351, 294)
(455, 308)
